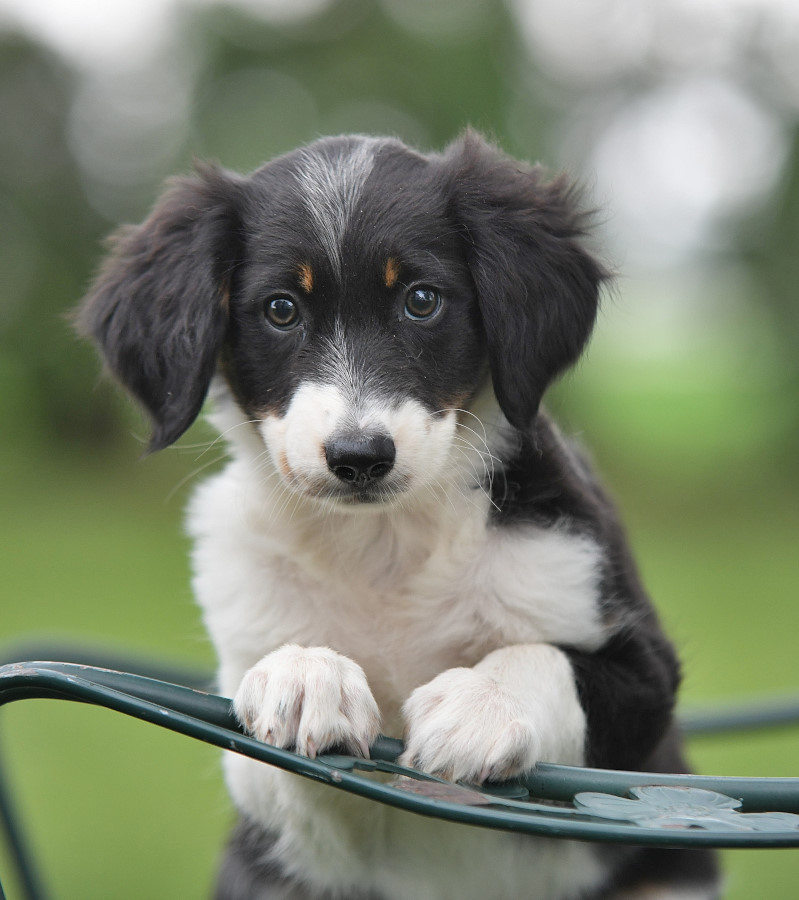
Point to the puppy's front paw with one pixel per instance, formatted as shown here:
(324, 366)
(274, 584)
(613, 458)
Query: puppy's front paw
(308, 699)
(465, 726)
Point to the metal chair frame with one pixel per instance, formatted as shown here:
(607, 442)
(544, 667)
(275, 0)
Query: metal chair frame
(554, 801)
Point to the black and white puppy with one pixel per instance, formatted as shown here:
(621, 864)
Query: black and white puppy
(401, 540)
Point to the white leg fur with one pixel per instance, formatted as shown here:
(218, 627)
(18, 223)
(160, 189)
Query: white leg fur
(516, 707)
(309, 699)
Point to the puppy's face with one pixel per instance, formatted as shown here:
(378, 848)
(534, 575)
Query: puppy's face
(355, 295)
(354, 330)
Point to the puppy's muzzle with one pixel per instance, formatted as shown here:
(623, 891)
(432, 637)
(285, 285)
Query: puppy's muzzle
(360, 460)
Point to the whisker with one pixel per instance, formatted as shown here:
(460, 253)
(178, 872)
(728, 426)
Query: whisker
(487, 458)
(480, 486)
(193, 474)
(485, 455)
(226, 432)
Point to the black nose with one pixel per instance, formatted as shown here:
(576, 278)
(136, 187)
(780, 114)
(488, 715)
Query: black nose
(360, 460)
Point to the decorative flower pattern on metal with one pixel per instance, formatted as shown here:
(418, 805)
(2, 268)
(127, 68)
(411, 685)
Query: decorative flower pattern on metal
(682, 807)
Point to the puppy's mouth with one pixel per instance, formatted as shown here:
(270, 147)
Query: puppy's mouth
(359, 494)
(364, 495)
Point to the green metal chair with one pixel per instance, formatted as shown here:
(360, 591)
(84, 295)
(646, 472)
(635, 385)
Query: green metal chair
(592, 804)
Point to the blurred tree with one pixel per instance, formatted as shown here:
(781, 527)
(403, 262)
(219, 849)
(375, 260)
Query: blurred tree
(351, 68)
(49, 238)
(775, 261)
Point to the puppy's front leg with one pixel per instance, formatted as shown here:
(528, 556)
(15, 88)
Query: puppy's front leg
(308, 699)
(516, 707)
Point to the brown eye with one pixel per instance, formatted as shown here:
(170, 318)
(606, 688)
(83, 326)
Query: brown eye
(422, 303)
(282, 312)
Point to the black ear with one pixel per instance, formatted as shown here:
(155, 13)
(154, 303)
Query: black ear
(158, 309)
(537, 288)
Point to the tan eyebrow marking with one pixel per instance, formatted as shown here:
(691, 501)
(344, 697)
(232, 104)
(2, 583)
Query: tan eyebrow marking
(391, 273)
(306, 277)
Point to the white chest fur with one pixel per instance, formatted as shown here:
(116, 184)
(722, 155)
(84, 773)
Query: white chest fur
(406, 593)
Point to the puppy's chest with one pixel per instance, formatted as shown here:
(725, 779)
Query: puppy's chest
(406, 596)
(387, 595)
(407, 609)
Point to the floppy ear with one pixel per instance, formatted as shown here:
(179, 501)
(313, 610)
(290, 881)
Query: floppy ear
(537, 288)
(157, 310)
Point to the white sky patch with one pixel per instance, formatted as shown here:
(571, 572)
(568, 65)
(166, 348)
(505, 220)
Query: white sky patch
(92, 33)
(115, 34)
(676, 164)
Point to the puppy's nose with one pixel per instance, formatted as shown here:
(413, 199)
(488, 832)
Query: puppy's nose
(360, 460)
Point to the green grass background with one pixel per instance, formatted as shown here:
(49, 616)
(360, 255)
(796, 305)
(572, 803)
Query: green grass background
(93, 552)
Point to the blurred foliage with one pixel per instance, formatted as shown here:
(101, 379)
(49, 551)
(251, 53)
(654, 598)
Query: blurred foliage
(48, 241)
(81, 152)
(699, 443)
(775, 262)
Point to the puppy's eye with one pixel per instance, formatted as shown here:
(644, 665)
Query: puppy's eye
(422, 303)
(282, 312)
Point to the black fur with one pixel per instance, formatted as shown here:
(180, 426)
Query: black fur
(158, 308)
(536, 284)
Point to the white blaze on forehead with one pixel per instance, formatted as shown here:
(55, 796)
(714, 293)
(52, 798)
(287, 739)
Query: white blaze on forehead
(331, 188)
(341, 369)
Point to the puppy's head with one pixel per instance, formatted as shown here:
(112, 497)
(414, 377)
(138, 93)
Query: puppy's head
(356, 296)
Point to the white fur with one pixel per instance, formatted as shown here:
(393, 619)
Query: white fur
(497, 719)
(296, 441)
(331, 192)
(308, 697)
(444, 614)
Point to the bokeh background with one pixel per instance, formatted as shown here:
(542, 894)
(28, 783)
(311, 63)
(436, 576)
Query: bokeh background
(679, 116)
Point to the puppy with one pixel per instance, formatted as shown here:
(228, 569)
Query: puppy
(401, 541)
